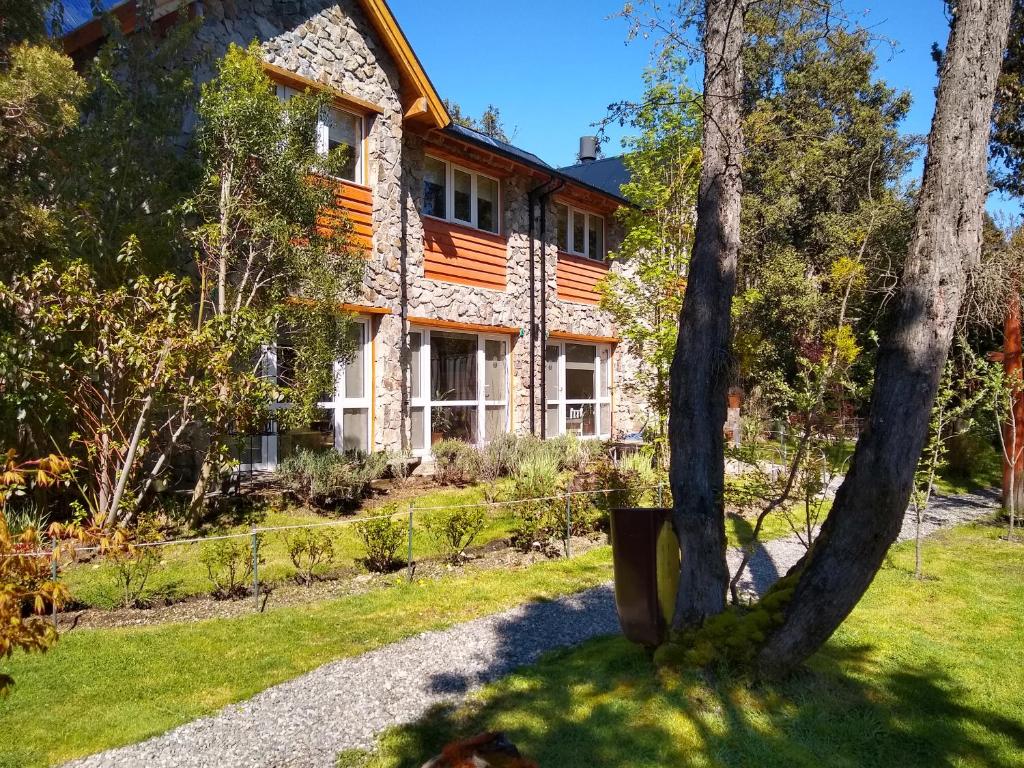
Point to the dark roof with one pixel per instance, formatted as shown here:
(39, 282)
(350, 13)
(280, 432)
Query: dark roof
(607, 174)
(78, 13)
(501, 146)
(615, 175)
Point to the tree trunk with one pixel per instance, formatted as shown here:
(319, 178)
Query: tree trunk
(870, 505)
(699, 376)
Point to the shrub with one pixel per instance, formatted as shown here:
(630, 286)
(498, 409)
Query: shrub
(309, 549)
(630, 480)
(500, 457)
(229, 566)
(381, 537)
(455, 462)
(453, 530)
(134, 564)
(536, 477)
(326, 478)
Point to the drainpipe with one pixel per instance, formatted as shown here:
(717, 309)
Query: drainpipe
(545, 196)
(531, 199)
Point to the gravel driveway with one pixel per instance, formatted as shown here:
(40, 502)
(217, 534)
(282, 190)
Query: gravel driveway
(305, 722)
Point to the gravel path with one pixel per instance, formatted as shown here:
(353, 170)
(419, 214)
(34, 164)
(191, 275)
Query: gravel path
(305, 722)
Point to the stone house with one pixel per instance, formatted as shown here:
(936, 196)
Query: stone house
(478, 311)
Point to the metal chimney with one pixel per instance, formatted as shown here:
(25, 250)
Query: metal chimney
(588, 149)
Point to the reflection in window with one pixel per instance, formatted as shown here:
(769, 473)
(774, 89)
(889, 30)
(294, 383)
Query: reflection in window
(455, 422)
(579, 228)
(435, 189)
(462, 184)
(595, 237)
(577, 393)
(562, 226)
(487, 204)
(495, 374)
(452, 366)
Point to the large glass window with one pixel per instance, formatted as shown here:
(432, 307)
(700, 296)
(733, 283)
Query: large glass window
(579, 232)
(460, 387)
(577, 389)
(336, 128)
(343, 421)
(461, 195)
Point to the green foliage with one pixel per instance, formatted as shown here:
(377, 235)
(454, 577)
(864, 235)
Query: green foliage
(309, 550)
(455, 462)
(824, 224)
(133, 565)
(228, 565)
(537, 476)
(381, 537)
(489, 124)
(646, 297)
(455, 528)
(1008, 114)
(325, 479)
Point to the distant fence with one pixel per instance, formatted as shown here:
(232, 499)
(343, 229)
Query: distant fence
(269, 558)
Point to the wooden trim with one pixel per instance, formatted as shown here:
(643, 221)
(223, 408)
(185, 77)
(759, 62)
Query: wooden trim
(499, 173)
(417, 109)
(361, 309)
(569, 336)
(457, 325)
(384, 23)
(289, 78)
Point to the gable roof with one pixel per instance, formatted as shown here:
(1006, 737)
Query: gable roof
(79, 26)
(607, 174)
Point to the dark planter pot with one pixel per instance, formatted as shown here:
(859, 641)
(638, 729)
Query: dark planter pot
(645, 554)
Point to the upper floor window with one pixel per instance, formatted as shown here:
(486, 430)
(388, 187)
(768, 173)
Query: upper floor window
(460, 195)
(579, 232)
(337, 128)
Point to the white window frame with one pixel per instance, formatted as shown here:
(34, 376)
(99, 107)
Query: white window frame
(337, 405)
(481, 403)
(449, 191)
(601, 397)
(285, 92)
(570, 239)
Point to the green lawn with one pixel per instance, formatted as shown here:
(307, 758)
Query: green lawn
(181, 573)
(924, 673)
(104, 688)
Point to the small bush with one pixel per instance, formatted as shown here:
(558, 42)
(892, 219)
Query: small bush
(630, 481)
(536, 477)
(309, 549)
(326, 479)
(455, 462)
(381, 537)
(453, 530)
(229, 567)
(500, 457)
(134, 564)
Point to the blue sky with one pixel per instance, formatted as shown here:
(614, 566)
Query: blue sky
(554, 66)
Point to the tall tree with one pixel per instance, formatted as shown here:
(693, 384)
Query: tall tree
(700, 369)
(870, 505)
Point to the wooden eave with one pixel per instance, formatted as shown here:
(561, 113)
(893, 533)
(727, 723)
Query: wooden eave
(569, 336)
(458, 325)
(415, 83)
(300, 83)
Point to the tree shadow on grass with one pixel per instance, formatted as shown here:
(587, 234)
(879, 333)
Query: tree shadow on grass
(602, 705)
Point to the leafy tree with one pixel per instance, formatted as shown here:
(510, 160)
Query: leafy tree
(1008, 114)
(824, 225)
(645, 299)
(271, 271)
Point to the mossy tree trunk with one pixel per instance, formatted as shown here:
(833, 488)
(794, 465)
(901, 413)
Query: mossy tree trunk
(870, 505)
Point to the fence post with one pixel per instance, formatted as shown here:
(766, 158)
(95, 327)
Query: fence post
(568, 523)
(660, 503)
(256, 569)
(53, 575)
(408, 565)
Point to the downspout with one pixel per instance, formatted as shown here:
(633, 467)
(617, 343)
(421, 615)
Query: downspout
(545, 196)
(531, 198)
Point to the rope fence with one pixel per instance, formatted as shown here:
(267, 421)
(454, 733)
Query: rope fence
(410, 514)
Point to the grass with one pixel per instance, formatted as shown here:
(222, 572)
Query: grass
(181, 573)
(98, 689)
(924, 673)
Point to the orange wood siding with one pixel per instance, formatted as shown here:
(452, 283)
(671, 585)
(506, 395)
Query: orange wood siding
(577, 278)
(457, 254)
(356, 202)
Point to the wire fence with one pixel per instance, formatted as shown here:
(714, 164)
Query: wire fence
(273, 555)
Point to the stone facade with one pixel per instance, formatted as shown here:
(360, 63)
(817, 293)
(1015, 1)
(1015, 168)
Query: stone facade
(334, 43)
